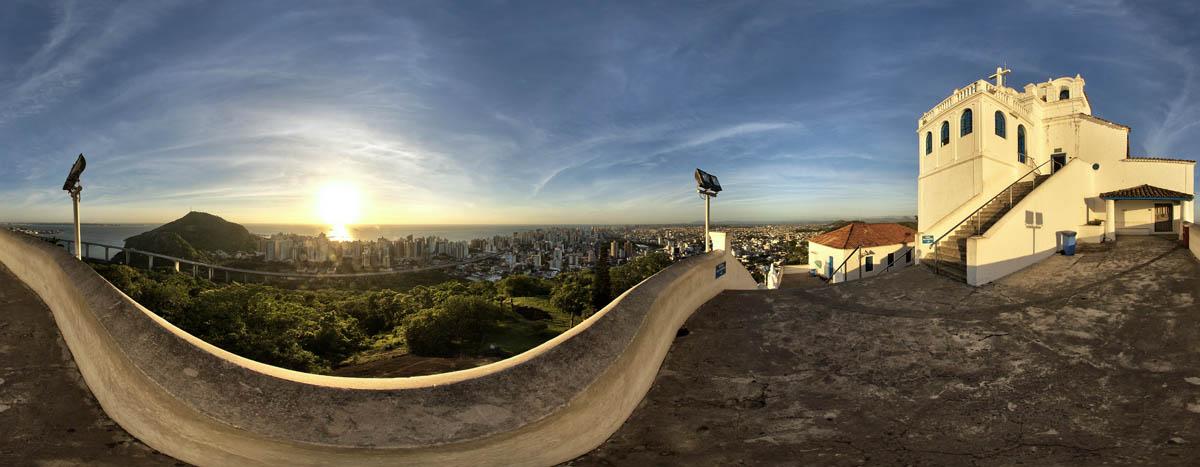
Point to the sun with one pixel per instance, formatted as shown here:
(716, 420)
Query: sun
(338, 204)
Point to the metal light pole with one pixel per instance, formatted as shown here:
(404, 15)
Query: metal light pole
(72, 187)
(707, 214)
(708, 186)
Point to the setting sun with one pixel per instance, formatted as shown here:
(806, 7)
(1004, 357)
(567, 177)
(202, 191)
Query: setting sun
(338, 204)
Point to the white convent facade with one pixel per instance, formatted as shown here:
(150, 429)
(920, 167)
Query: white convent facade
(1003, 173)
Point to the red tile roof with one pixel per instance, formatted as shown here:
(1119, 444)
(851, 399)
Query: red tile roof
(1157, 159)
(860, 234)
(1146, 192)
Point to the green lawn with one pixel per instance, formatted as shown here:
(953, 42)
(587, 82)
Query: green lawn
(516, 334)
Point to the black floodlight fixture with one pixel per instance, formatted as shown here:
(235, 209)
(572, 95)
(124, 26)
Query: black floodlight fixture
(707, 183)
(76, 171)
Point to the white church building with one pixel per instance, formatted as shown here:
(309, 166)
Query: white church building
(1003, 173)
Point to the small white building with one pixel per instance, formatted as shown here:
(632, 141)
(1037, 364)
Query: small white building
(1005, 175)
(859, 250)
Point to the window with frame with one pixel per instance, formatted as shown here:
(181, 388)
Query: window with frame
(908, 256)
(870, 263)
(891, 258)
(945, 133)
(1064, 94)
(1001, 123)
(1021, 144)
(964, 124)
(928, 142)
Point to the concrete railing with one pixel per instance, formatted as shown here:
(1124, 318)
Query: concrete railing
(1193, 240)
(200, 404)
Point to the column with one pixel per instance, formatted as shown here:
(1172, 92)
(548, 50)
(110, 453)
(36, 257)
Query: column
(177, 266)
(1189, 211)
(1110, 220)
(149, 262)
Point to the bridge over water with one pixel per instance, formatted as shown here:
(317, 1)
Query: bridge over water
(214, 271)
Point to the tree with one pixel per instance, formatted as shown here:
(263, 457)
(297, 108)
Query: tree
(572, 296)
(601, 281)
(461, 322)
(625, 276)
(522, 285)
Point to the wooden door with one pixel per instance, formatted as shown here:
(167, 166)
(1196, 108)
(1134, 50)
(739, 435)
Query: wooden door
(1163, 218)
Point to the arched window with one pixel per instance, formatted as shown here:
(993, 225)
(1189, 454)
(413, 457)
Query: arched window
(928, 142)
(1021, 144)
(945, 133)
(1064, 94)
(1001, 123)
(965, 124)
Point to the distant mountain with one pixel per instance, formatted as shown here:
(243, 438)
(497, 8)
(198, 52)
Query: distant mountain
(193, 236)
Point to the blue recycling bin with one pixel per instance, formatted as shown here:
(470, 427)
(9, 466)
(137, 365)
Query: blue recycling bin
(1068, 242)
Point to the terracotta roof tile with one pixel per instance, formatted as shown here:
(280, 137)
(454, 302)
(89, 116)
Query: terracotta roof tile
(1145, 191)
(861, 234)
(1157, 159)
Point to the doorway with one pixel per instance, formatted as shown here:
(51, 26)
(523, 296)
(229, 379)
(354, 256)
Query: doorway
(1163, 218)
(1058, 161)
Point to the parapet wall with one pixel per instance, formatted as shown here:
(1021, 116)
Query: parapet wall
(206, 406)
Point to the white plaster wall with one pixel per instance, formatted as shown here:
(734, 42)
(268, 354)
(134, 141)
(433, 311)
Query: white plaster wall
(1090, 233)
(856, 267)
(947, 190)
(1133, 172)
(1194, 239)
(818, 253)
(1009, 246)
(1136, 217)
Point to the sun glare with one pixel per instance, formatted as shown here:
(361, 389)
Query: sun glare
(338, 205)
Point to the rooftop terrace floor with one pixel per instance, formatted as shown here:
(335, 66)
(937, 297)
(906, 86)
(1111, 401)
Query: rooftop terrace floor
(1080, 360)
(47, 414)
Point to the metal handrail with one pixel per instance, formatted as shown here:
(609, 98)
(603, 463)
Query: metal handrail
(839, 268)
(989, 201)
(937, 262)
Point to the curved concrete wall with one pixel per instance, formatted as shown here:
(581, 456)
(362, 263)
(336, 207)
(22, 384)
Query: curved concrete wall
(206, 406)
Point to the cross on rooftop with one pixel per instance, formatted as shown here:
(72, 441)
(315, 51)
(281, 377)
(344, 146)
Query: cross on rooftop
(999, 75)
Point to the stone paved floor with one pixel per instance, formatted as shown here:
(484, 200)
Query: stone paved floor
(48, 417)
(1085, 360)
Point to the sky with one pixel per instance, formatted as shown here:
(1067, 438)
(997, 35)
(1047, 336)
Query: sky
(485, 112)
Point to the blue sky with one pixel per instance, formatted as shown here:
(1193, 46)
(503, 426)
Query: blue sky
(539, 112)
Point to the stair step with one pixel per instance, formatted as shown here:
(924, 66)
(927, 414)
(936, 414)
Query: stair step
(948, 271)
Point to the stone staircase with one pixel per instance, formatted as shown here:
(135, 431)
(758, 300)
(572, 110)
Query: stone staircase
(950, 258)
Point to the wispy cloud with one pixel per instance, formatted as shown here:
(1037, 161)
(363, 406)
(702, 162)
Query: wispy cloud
(538, 112)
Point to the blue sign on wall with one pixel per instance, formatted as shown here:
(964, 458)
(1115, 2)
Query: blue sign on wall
(927, 239)
(720, 269)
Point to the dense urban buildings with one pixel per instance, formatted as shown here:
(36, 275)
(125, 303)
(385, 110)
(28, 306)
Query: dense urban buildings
(544, 252)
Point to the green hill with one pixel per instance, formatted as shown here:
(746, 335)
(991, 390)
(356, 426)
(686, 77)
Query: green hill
(194, 235)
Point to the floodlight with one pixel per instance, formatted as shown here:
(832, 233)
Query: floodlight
(73, 188)
(76, 171)
(708, 186)
(707, 183)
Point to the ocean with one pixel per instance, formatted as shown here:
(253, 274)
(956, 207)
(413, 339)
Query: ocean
(115, 234)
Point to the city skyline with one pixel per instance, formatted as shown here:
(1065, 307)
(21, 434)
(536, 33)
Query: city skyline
(531, 113)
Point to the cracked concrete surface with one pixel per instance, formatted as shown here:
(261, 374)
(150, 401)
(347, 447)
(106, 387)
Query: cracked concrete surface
(1082, 360)
(47, 414)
